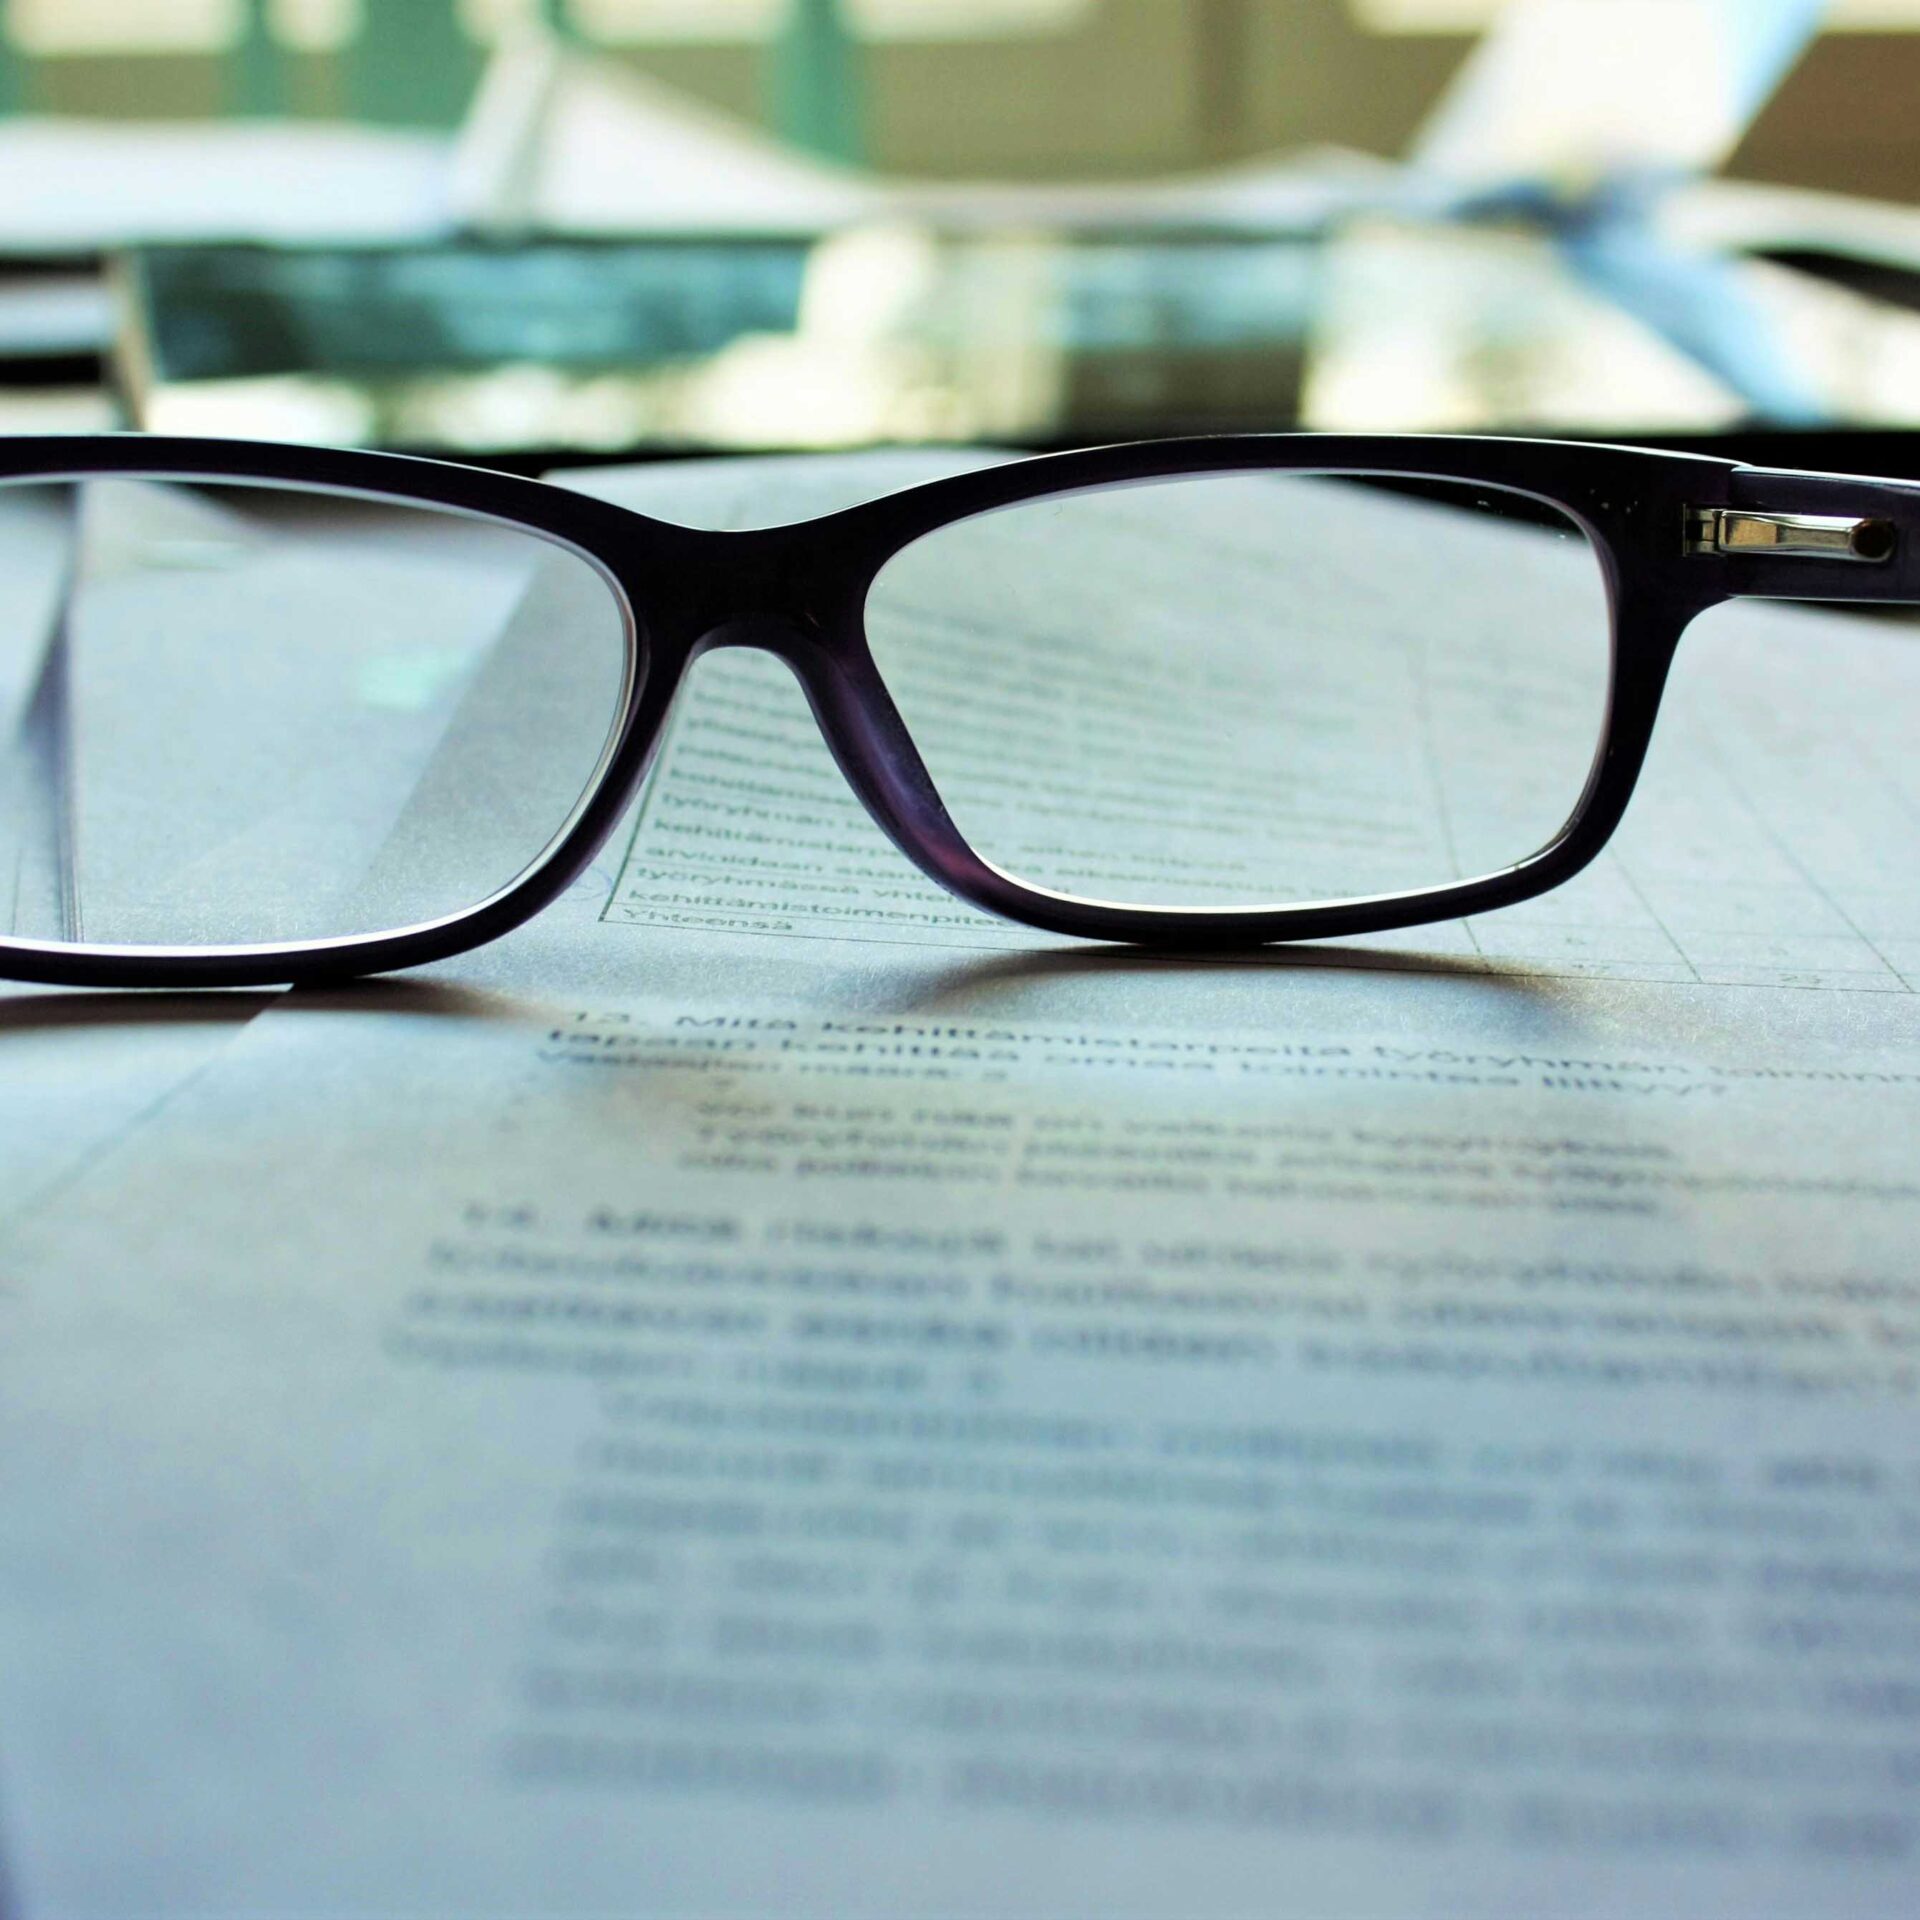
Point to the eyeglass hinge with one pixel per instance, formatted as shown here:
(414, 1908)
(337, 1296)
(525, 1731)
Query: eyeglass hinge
(1788, 536)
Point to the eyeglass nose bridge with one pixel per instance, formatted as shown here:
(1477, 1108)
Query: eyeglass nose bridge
(784, 635)
(763, 588)
(865, 734)
(771, 593)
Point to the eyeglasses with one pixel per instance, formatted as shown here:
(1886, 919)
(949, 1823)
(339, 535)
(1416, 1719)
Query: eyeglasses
(282, 714)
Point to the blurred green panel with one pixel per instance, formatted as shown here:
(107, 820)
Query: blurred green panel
(255, 76)
(14, 78)
(411, 65)
(816, 82)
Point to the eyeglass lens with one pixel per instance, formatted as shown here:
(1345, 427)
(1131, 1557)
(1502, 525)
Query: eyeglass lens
(1252, 691)
(246, 714)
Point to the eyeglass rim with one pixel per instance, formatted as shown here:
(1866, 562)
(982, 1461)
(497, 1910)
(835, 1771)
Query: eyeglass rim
(799, 591)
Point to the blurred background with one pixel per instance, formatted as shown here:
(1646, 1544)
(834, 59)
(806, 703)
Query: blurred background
(535, 230)
(1014, 88)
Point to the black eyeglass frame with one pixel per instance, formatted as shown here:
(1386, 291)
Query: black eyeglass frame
(1674, 535)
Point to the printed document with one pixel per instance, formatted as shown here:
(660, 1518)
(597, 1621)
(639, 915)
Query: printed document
(765, 1393)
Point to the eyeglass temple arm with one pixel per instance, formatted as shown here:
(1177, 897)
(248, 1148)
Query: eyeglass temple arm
(1783, 535)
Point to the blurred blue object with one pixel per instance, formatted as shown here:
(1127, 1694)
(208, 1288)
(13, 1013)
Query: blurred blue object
(1698, 303)
(1566, 148)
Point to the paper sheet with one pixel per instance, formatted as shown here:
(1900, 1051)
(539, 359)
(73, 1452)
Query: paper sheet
(565, 142)
(82, 1070)
(673, 1419)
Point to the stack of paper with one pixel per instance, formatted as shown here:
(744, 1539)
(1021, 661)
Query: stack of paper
(763, 1393)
